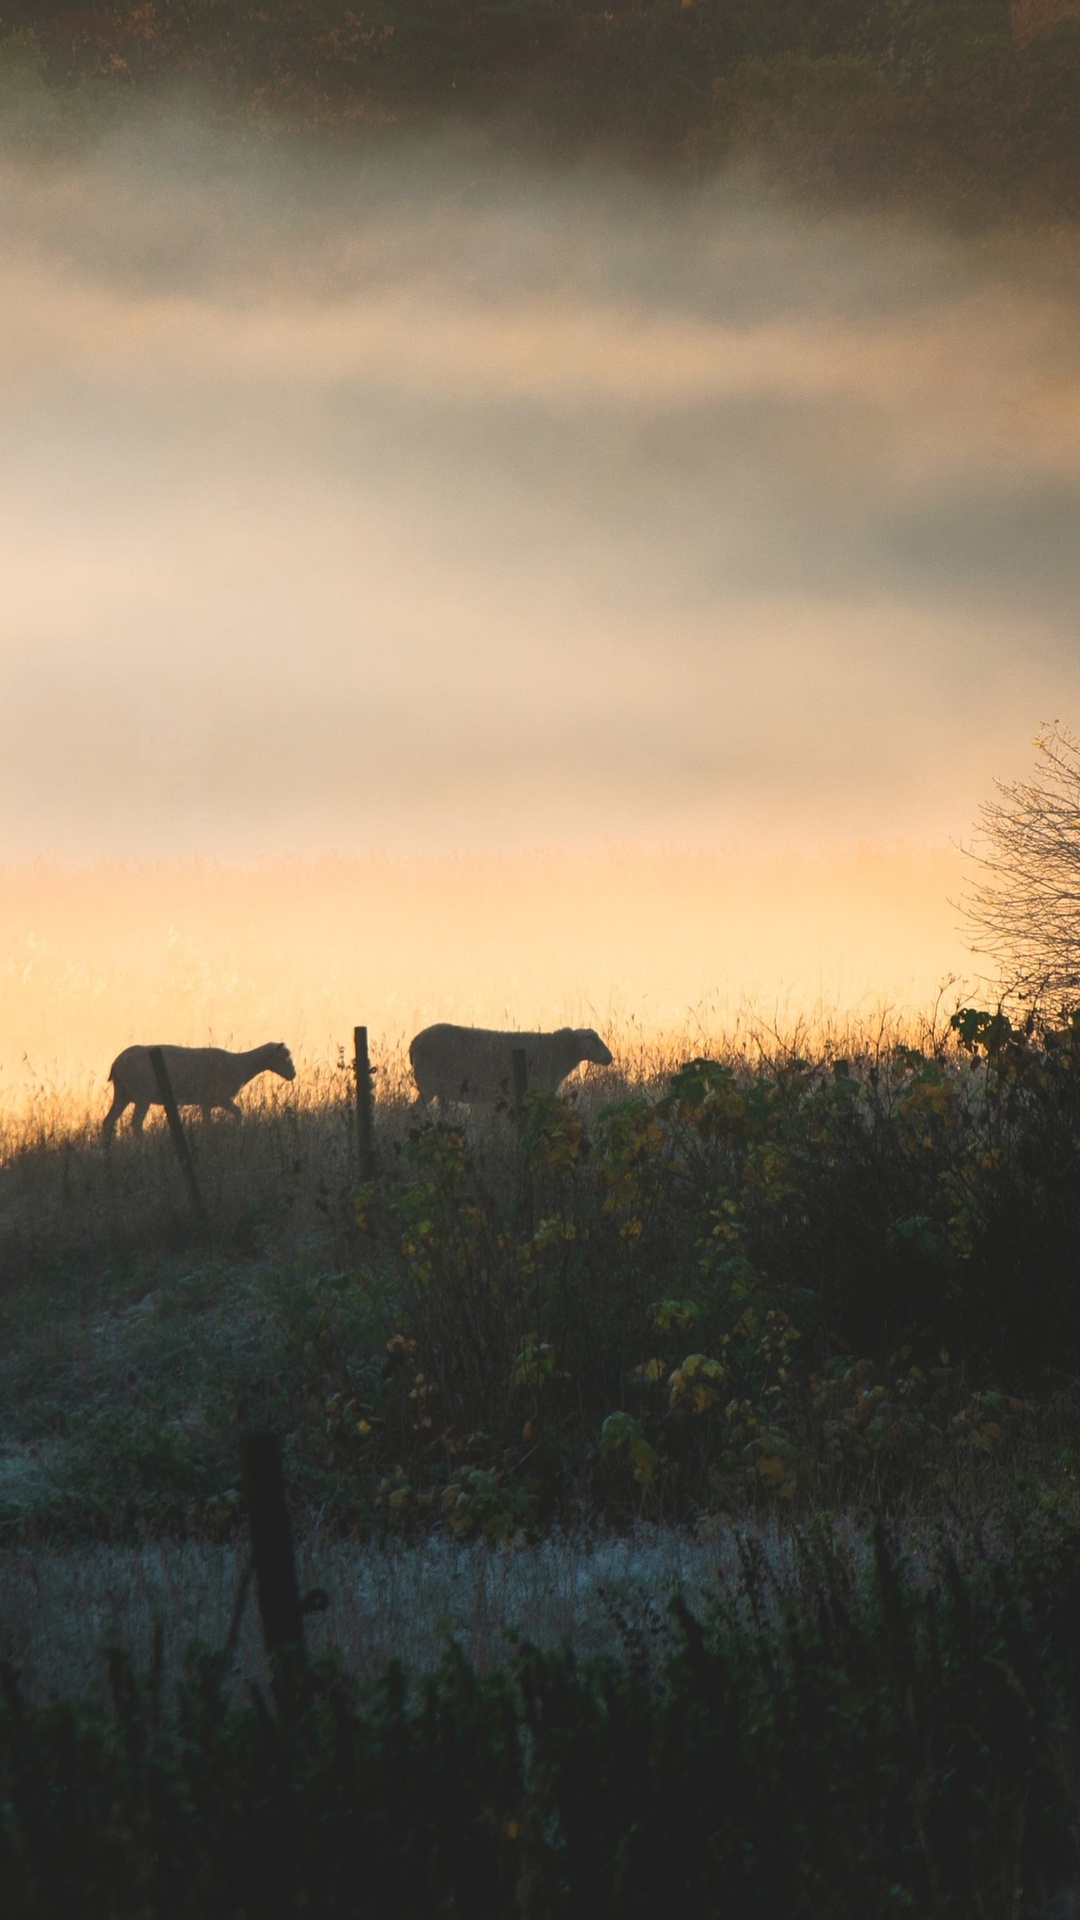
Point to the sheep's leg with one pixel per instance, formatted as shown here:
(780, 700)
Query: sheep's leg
(120, 1105)
(142, 1108)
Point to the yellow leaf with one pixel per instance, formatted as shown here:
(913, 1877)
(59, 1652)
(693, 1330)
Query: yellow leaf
(652, 1370)
(771, 1469)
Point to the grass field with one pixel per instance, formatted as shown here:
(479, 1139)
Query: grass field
(389, 1600)
(591, 1415)
(827, 1273)
(595, 1412)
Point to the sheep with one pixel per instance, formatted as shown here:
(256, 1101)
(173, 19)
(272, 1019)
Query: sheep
(473, 1064)
(205, 1077)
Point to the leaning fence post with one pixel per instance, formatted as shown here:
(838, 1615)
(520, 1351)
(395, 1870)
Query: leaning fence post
(365, 1116)
(519, 1062)
(176, 1128)
(272, 1543)
(280, 1612)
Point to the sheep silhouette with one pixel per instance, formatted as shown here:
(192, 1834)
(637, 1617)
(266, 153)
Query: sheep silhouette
(474, 1064)
(205, 1077)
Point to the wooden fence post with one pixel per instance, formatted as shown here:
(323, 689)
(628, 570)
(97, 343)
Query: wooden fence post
(365, 1116)
(281, 1610)
(272, 1544)
(176, 1129)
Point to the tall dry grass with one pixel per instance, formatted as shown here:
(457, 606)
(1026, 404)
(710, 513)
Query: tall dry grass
(827, 1268)
(287, 1169)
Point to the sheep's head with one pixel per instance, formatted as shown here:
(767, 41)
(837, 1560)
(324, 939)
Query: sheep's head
(592, 1047)
(281, 1061)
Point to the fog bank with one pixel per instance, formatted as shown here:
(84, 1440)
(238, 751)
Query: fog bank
(423, 502)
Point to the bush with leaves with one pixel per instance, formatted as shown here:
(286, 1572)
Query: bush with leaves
(796, 1284)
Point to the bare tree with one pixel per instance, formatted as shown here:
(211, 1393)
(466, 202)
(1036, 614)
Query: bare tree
(1025, 906)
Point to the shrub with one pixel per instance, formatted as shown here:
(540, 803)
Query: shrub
(804, 1282)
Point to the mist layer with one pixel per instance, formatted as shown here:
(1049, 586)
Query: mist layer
(423, 502)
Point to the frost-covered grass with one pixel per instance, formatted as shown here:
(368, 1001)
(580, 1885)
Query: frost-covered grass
(861, 1726)
(599, 1592)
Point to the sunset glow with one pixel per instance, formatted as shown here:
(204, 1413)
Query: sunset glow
(528, 598)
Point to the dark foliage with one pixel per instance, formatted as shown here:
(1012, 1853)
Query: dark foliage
(938, 98)
(801, 1282)
(858, 1742)
(813, 1283)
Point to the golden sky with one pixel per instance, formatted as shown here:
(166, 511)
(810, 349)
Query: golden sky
(640, 944)
(685, 564)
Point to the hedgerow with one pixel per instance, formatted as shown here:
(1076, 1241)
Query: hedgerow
(803, 1284)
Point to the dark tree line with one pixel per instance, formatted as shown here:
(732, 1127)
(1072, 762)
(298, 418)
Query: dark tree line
(961, 100)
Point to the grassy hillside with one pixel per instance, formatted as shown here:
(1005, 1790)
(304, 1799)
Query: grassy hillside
(753, 1284)
(936, 98)
(747, 1292)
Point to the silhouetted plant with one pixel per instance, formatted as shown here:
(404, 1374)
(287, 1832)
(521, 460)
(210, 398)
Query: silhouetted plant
(814, 1281)
(852, 1739)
